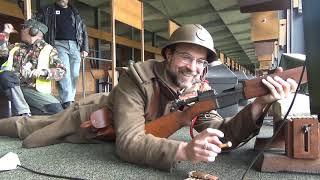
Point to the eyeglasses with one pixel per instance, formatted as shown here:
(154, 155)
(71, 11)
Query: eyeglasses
(23, 26)
(187, 58)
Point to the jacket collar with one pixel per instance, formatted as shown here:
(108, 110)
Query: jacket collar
(74, 10)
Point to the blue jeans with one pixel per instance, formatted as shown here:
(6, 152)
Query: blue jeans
(18, 100)
(70, 56)
(24, 99)
(41, 103)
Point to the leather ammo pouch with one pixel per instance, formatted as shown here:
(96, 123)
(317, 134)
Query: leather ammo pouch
(100, 122)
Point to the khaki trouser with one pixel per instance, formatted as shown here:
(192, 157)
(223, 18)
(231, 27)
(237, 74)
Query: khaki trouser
(36, 131)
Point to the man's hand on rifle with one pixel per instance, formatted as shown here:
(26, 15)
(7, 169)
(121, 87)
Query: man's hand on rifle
(279, 89)
(203, 147)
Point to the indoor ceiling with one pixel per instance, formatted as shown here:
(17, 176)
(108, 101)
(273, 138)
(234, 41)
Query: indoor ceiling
(231, 29)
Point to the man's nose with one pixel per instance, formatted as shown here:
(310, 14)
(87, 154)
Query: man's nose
(193, 66)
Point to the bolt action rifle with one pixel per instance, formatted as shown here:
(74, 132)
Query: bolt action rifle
(101, 121)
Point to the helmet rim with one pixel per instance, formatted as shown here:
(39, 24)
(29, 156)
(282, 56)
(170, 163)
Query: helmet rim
(192, 34)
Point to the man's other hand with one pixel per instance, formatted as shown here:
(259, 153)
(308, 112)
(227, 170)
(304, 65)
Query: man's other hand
(203, 147)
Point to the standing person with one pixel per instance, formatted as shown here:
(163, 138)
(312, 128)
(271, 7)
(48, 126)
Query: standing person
(144, 94)
(36, 64)
(67, 32)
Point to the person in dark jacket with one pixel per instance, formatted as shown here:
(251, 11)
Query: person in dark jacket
(67, 32)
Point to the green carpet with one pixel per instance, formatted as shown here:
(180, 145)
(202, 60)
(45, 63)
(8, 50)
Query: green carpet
(99, 161)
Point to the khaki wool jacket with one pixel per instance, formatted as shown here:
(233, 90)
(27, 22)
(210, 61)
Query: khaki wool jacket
(131, 105)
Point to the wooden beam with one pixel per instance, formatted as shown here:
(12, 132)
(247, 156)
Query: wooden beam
(267, 57)
(264, 65)
(264, 26)
(11, 9)
(264, 47)
(92, 32)
(249, 6)
(128, 12)
(172, 27)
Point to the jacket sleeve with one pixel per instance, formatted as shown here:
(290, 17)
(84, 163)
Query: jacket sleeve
(242, 126)
(56, 70)
(132, 144)
(85, 43)
(236, 129)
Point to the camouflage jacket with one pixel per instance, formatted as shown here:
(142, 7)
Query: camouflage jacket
(25, 59)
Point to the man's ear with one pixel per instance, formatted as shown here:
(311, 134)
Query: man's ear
(168, 54)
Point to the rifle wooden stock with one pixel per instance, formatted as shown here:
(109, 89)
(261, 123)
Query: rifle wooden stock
(166, 125)
(101, 122)
(255, 87)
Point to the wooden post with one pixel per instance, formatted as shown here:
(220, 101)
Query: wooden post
(142, 33)
(113, 45)
(232, 64)
(228, 62)
(282, 32)
(222, 58)
(27, 9)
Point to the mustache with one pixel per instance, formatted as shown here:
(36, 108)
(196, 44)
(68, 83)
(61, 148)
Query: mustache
(188, 72)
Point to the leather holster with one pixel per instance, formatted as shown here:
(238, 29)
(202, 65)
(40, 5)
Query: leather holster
(100, 122)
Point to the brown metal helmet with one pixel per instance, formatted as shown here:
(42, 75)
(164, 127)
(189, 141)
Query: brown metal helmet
(194, 34)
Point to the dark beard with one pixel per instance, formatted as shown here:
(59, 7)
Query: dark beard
(175, 77)
(172, 76)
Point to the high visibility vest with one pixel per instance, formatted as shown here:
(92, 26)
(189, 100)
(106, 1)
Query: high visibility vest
(42, 85)
(7, 66)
